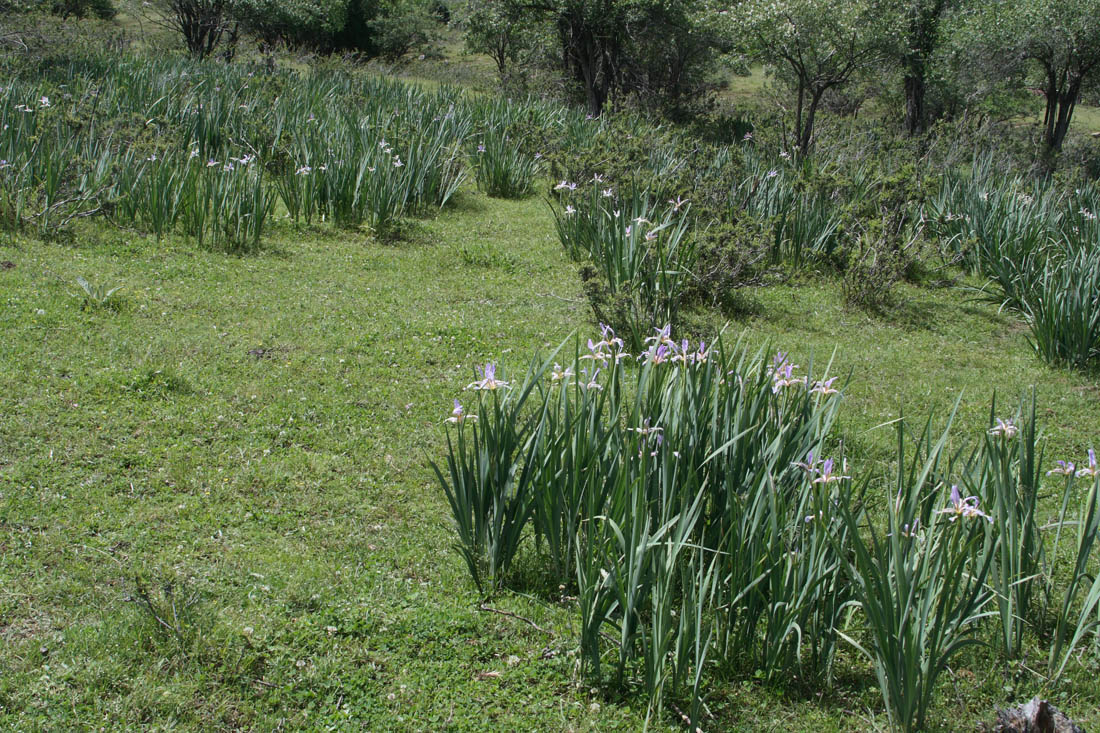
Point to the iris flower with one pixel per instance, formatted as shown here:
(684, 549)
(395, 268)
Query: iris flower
(961, 507)
(663, 336)
(1063, 468)
(489, 381)
(810, 466)
(1090, 470)
(557, 374)
(609, 336)
(591, 383)
(597, 353)
(458, 415)
(1003, 428)
(826, 475)
(645, 430)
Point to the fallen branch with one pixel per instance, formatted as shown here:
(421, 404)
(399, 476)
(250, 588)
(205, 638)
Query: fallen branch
(490, 609)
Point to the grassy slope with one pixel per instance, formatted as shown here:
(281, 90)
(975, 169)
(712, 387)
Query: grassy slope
(292, 491)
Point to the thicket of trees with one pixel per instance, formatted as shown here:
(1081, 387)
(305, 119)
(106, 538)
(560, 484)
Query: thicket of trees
(939, 56)
(388, 29)
(657, 51)
(926, 59)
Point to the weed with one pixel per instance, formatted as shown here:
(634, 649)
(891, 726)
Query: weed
(98, 295)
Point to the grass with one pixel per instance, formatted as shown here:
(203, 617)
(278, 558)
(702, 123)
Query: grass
(744, 89)
(920, 355)
(256, 431)
(1086, 119)
(217, 511)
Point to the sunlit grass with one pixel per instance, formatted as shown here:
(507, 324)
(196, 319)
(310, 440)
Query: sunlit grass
(262, 426)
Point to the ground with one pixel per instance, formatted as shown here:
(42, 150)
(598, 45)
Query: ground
(254, 434)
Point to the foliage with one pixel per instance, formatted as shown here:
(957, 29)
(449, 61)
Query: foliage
(641, 253)
(102, 9)
(502, 168)
(402, 26)
(1060, 40)
(97, 295)
(920, 585)
(1035, 246)
(489, 480)
(657, 52)
(705, 530)
(812, 45)
(65, 9)
(499, 29)
(1074, 622)
(387, 29)
(1063, 311)
(308, 23)
(1006, 476)
(214, 170)
(911, 40)
(202, 23)
(650, 485)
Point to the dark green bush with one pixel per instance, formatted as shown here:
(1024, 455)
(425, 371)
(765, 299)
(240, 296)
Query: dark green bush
(102, 9)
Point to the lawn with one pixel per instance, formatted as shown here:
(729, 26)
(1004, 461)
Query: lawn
(217, 510)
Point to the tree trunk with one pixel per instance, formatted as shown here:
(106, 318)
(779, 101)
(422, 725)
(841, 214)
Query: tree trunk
(914, 98)
(583, 58)
(1062, 93)
(807, 133)
(798, 112)
(924, 20)
(1067, 101)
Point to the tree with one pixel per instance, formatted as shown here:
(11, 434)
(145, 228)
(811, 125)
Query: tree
(592, 34)
(814, 45)
(655, 49)
(309, 23)
(376, 28)
(1057, 39)
(912, 37)
(400, 26)
(202, 23)
(498, 29)
(672, 54)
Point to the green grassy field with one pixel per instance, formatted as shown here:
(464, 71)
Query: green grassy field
(217, 512)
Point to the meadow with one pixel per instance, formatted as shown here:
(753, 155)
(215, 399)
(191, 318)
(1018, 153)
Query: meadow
(237, 491)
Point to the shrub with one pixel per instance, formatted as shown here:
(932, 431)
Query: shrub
(729, 257)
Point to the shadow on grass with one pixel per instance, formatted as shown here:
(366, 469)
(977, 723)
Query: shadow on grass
(465, 201)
